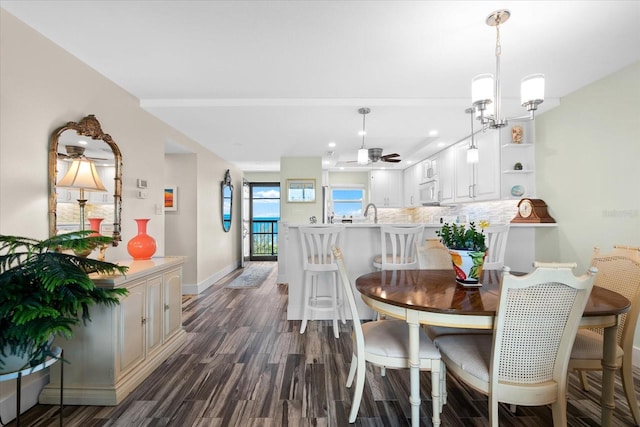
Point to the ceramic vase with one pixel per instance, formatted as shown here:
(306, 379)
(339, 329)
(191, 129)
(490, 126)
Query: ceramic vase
(142, 246)
(94, 224)
(467, 265)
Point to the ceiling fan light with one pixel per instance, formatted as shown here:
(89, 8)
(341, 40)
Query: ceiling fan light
(363, 156)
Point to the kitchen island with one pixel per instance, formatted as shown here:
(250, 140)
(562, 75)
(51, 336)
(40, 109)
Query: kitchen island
(361, 243)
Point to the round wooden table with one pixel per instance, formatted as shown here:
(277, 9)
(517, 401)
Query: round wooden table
(433, 297)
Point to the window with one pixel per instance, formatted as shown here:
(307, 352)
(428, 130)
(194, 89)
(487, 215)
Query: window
(347, 201)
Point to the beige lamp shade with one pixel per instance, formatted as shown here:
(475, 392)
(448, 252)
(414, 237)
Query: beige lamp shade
(82, 174)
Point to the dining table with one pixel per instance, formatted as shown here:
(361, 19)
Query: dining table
(433, 297)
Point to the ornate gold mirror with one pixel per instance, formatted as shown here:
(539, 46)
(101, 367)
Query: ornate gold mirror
(85, 180)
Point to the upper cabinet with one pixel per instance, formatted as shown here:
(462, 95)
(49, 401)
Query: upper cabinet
(385, 188)
(517, 163)
(412, 178)
(446, 175)
(478, 181)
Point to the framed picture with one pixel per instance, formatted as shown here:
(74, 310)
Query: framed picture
(301, 190)
(170, 198)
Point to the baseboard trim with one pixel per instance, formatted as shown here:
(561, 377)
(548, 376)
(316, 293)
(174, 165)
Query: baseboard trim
(194, 289)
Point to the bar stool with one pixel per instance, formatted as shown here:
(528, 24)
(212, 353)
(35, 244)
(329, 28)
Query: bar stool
(399, 245)
(318, 260)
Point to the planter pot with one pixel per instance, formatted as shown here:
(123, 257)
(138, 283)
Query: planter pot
(467, 265)
(14, 362)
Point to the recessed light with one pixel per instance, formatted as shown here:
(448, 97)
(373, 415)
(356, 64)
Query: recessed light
(409, 162)
(332, 144)
(433, 132)
(440, 144)
(82, 142)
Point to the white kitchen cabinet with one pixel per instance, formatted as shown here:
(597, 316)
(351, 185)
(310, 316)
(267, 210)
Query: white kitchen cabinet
(413, 176)
(386, 188)
(111, 355)
(446, 175)
(478, 181)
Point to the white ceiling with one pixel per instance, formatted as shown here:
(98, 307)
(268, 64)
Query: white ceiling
(257, 80)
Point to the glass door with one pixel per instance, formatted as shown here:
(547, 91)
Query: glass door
(263, 222)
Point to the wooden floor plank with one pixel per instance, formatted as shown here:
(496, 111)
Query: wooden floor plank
(245, 365)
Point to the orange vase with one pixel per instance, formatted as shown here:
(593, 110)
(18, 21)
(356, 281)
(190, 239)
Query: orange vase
(95, 226)
(142, 246)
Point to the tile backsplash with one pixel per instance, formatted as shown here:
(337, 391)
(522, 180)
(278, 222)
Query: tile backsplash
(494, 212)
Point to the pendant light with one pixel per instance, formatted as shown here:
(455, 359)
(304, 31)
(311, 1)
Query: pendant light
(486, 92)
(473, 154)
(363, 153)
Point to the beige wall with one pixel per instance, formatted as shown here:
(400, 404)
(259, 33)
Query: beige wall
(262, 176)
(41, 88)
(587, 154)
(300, 168)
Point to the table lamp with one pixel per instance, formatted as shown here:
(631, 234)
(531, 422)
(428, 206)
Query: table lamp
(82, 174)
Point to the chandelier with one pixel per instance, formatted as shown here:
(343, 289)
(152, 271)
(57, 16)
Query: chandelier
(486, 91)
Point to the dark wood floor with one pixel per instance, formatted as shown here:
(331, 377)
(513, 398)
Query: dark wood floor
(244, 365)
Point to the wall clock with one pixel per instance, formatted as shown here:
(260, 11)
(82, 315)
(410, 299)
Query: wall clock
(532, 211)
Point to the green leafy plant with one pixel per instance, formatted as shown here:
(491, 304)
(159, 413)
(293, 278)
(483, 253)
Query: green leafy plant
(461, 237)
(46, 291)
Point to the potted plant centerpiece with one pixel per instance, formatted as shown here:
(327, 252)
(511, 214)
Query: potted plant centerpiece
(45, 290)
(468, 249)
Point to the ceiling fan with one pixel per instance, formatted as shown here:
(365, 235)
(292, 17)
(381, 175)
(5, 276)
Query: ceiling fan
(76, 152)
(375, 154)
(372, 155)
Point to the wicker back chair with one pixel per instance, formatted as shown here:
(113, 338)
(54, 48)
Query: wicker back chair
(525, 361)
(619, 271)
(385, 343)
(433, 255)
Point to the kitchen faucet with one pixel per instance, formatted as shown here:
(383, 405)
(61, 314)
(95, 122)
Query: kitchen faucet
(375, 212)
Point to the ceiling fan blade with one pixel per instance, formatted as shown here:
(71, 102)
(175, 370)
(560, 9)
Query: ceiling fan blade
(391, 160)
(386, 156)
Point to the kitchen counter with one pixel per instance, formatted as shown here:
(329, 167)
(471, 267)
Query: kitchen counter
(361, 242)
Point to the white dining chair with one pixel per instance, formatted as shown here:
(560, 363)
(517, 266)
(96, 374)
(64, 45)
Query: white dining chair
(317, 261)
(524, 361)
(385, 343)
(496, 240)
(399, 245)
(619, 271)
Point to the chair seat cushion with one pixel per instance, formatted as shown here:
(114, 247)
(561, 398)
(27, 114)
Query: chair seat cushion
(470, 352)
(436, 331)
(377, 260)
(390, 338)
(588, 346)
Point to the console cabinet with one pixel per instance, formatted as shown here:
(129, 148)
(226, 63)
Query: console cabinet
(111, 355)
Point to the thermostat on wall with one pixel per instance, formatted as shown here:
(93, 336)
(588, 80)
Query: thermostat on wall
(142, 183)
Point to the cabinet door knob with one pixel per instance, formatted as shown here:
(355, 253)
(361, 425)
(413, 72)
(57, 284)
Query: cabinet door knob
(144, 321)
(166, 307)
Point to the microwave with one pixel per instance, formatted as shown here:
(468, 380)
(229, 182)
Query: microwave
(429, 193)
